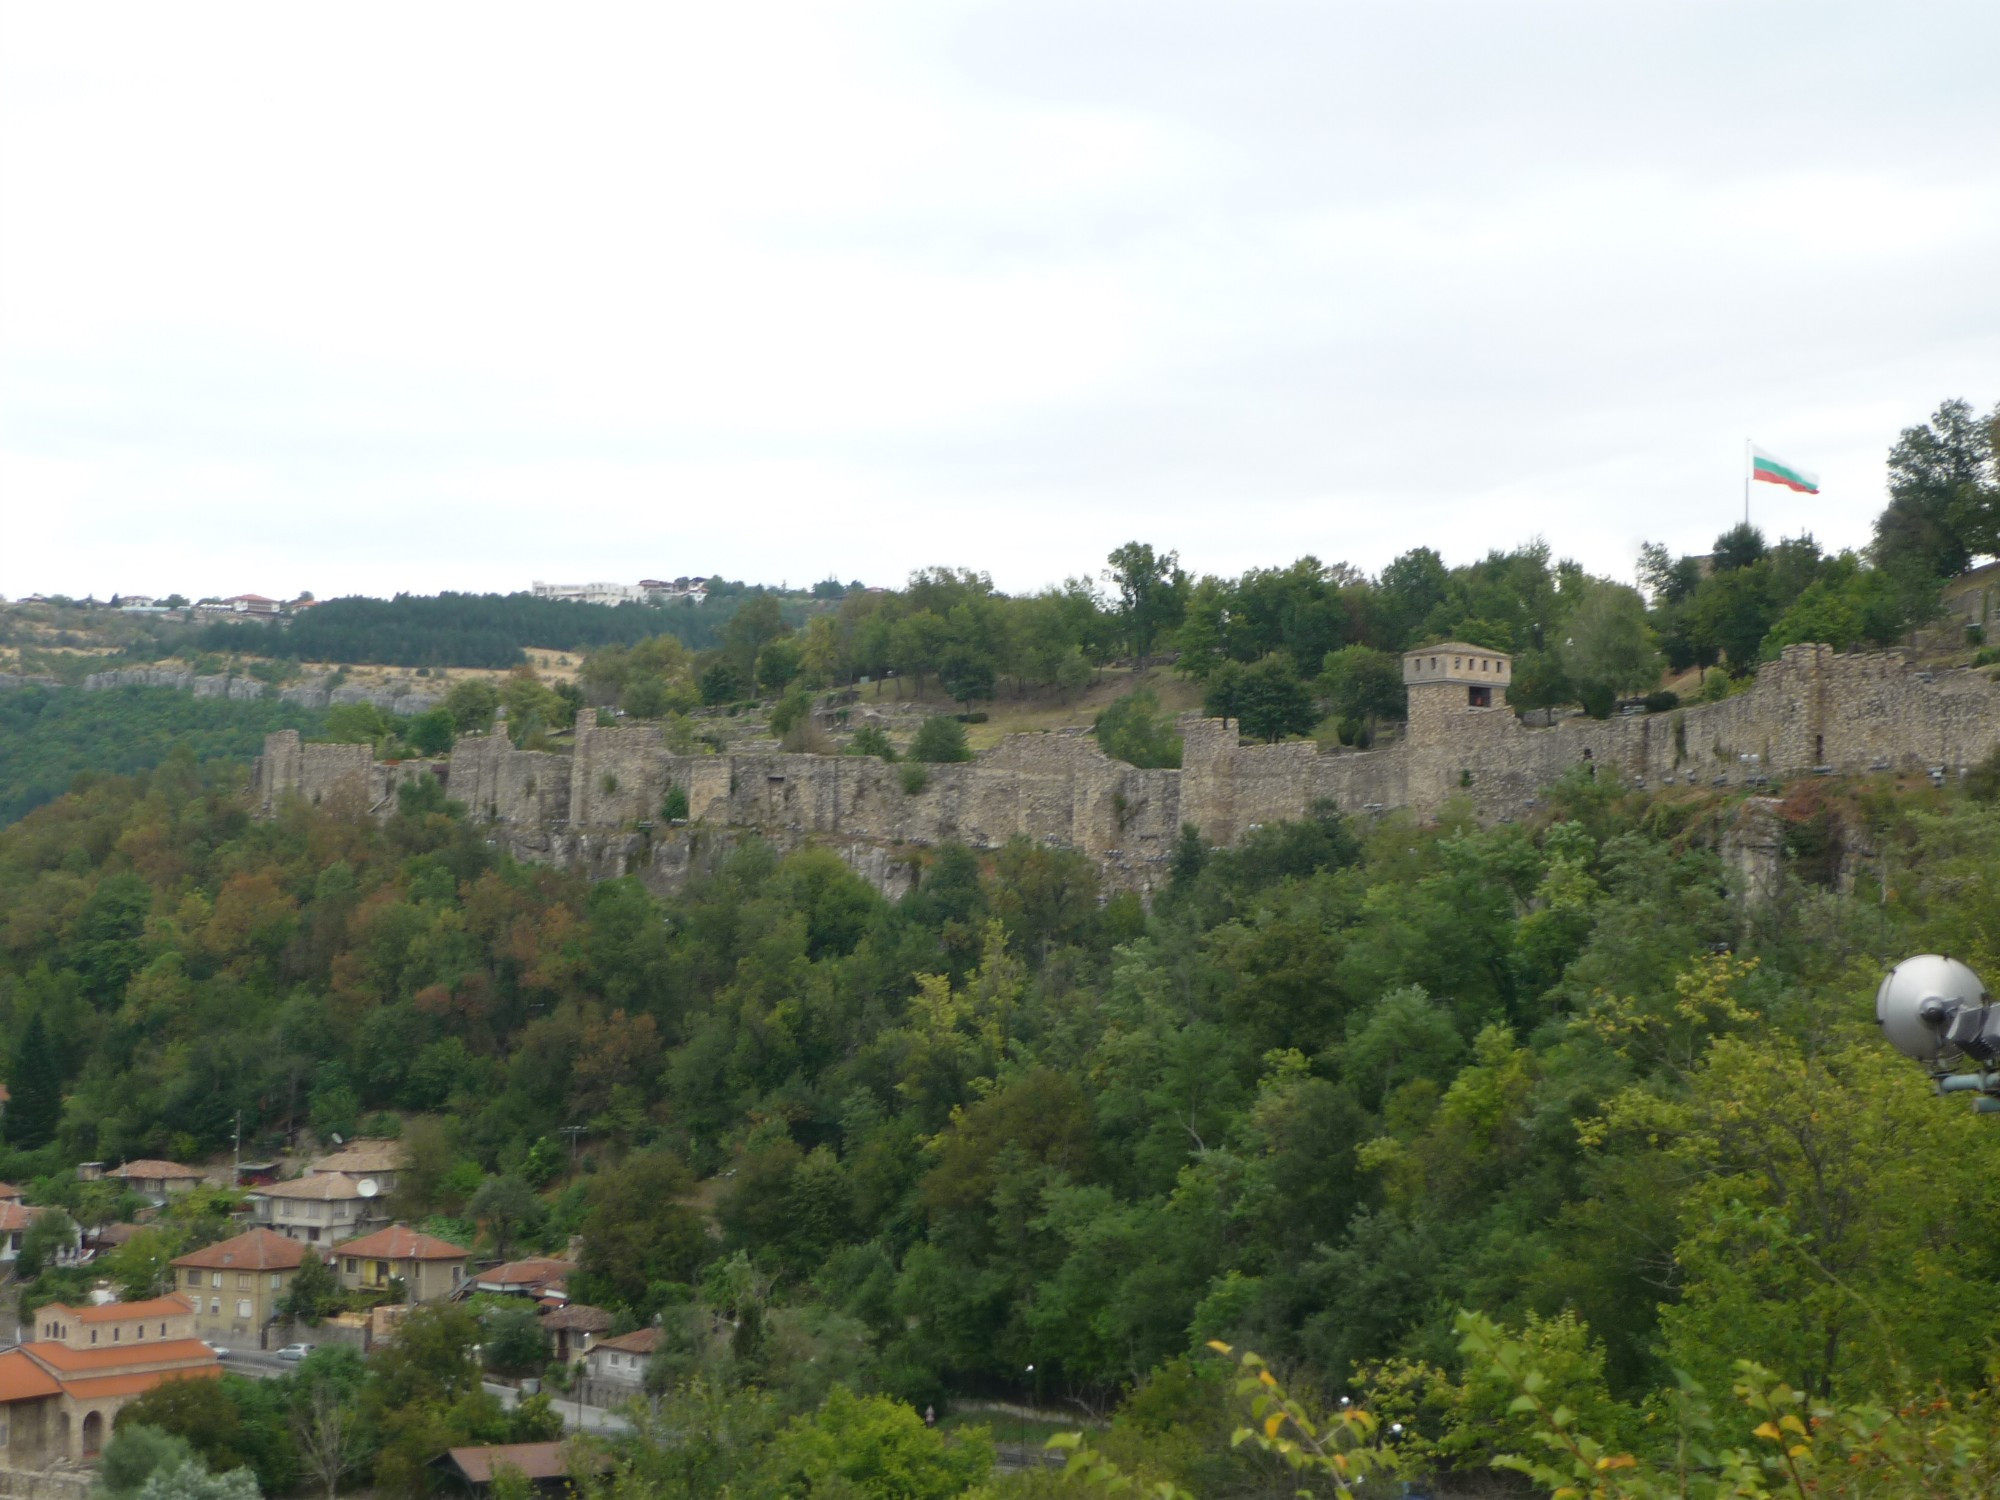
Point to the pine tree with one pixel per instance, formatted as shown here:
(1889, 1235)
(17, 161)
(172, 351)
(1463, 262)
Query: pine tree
(35, 1108)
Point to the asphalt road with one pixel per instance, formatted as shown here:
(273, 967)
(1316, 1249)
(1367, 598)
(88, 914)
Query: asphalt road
(259, 1364)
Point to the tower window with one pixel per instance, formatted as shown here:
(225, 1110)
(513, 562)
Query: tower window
(1479, 697)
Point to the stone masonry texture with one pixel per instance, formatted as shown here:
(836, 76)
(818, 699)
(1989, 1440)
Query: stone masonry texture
(598, 808)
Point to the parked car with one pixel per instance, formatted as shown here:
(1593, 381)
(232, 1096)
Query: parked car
(295, 1351)
(216, 1349)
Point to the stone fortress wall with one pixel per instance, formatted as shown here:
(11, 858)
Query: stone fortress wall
(598, 807)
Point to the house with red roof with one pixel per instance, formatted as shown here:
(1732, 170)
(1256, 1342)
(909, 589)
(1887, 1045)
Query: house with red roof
(158, 1180)
(430, 1269)
(542, 1277)
(235, 1285)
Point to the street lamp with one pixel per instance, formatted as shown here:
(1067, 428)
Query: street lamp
(1936, 1011)
(1024, 1416)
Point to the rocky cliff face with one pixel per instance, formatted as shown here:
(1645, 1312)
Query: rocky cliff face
(396, 697)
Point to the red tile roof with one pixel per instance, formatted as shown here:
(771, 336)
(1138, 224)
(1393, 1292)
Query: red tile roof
(534, 1271)
(399, 1242)
(639, 1341)
(172, 1306)
(21, 1379)
(16, 1215)
(534, 1460)
(66, 1361)
(578, 1317)
(160, 1169)
(256, 1250)
(135, 1385)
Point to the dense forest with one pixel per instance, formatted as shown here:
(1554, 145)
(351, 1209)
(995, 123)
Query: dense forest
(1340, 1082)
(48, 737)
(476, 630)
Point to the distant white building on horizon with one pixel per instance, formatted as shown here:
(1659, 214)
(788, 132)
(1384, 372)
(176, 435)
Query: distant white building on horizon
(645, 591)
(589, 593)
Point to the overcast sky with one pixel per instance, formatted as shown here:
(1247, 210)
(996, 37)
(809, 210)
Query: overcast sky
(411, 296)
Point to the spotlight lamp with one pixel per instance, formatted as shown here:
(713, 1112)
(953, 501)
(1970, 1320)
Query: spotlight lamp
(1936, 1011)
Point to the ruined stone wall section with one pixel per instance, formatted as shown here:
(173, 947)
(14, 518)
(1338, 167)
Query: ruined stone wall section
(618, 775)
(600, 809)
(336, 773)
(276, 772)
(504, 785)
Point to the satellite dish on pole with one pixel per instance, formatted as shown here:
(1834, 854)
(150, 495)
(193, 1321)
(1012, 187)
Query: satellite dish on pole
(368, 1187)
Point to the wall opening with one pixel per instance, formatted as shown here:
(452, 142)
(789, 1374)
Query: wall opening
(1479, 697)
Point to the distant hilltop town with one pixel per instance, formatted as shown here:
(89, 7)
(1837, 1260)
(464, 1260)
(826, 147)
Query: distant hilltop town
(234, 607)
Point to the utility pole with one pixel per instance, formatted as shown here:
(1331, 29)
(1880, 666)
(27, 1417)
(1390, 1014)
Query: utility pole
(572, 1131)
(236, 1164)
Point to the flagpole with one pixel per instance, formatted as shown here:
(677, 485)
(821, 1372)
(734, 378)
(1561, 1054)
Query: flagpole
(1746, 481)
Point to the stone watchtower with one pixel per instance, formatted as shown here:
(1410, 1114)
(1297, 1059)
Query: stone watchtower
(1453, 677)
(1458, 697)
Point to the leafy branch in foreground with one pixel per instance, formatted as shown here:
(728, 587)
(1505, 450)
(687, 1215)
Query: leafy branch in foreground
(1341, 1448)
(1942, 1446)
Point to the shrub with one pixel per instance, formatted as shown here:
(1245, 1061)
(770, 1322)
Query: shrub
(1135, 731)
(940, 740)
(675, 808)
(870, 740)
(915, 778)
(795, 709)
(1661, 702)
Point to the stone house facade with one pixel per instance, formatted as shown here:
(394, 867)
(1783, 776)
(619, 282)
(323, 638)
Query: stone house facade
(430, 1269)
(235, 1286)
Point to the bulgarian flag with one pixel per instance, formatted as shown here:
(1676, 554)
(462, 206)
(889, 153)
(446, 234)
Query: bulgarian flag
(1775, 471)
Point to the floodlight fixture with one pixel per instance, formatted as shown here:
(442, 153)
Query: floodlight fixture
(1936, 1011)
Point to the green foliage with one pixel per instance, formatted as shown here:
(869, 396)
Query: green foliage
(1134, 730)
(311, 1294)
(432, 732)
(1944, 495)
(134, 1454)
(870, 740)
(1340, 1077)
(472, 703)
(1360, 682)
(513, 1340)
(508, 1210)
(793, 710)
(199, 1413)
(1271, 703)
(50, 737)
(1152, 594)
(36, 1108)
(52, 1231)
(873, 1447)
(470, 630)
(1609, 649)
(939, 739)
(638, 1233)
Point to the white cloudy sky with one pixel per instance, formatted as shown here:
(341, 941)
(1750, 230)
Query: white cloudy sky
(366, 297)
